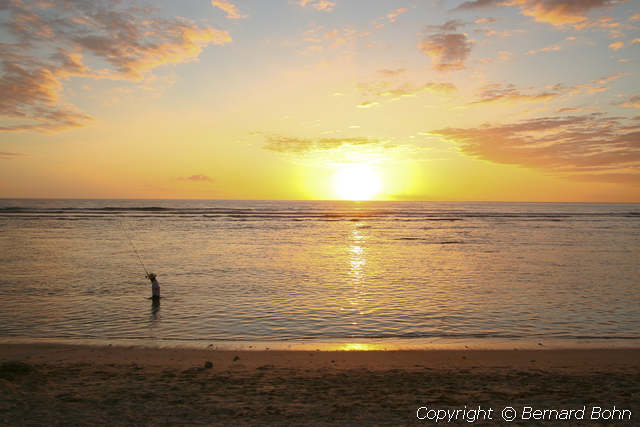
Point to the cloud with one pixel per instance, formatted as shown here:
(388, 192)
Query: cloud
(375, 92)
(450, 26)
(229, 8)
(447, 48)
(610, 77)
(550, 48)
(391, 73)
(632, 102)
(555, 12)
(368, 104)
(485, 20)
(442, 87)
(378, 90)
(495, 93)
(30, 96)
(319, 39)
(55, 41)
(283, 144)
(505, 55)
(608, 24)
(569, 110)
(477, 4)
(490, 32)
(322, 5)
(592, 146)
(6, 155)
(554, 47)
(616, 46)
(560, 12)
(153, 44)
(196, 178)
(392, 16)
(597, 85)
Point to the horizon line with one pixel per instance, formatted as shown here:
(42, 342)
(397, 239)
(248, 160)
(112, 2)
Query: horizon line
(320, 200)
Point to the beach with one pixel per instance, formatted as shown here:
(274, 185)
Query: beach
(83, 385)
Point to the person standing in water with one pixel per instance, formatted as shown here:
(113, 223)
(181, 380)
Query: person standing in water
(155, 287)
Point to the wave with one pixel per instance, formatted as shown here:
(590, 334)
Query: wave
(431, 242)
(333, 337)
(328, 212)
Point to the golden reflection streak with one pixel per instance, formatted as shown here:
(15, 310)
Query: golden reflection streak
(357, 347)
(357, 262)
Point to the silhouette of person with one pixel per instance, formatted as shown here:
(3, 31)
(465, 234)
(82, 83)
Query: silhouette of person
(155, 287)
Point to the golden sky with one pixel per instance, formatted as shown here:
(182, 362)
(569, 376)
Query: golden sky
(505, 100)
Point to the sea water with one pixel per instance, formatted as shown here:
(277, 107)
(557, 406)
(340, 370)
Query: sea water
(299, 272)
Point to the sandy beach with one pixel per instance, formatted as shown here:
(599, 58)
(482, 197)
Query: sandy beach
(44, 384)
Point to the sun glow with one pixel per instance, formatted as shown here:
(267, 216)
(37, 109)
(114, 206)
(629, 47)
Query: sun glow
(356, 182)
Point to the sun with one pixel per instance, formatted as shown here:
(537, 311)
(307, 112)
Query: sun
(356, 182)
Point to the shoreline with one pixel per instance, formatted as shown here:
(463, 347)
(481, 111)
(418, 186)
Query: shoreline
(555, 359)
(343, 344)
(76, 384)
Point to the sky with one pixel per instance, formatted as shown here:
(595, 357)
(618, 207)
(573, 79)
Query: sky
(478, 100)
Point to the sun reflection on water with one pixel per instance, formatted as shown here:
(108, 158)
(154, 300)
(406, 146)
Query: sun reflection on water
(358, 262)
(357, 347)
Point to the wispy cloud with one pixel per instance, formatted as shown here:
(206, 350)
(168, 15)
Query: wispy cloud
(570, 110)
(596, 85)
(318, 39)
(321, 5)
(490, 32)
(477, 4)
(595, 146)
(552, 48)
(196, 178)
(391, 73)
(30, 92)
(368, 104)
(505, 55)
(555, 12)
(560, 12)
(283, 144)
(392, 16)
(229, 8)
(632, 102)
(485, 20)
(55, 41)
(7, 155)
(496, 92)
(392, 89)
(447, 48)
(616, 46)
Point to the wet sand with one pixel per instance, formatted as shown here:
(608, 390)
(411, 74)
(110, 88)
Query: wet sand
(43, 384)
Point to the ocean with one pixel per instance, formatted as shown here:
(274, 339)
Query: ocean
(305, 273)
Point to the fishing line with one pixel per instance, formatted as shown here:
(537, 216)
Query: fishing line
(124, 230)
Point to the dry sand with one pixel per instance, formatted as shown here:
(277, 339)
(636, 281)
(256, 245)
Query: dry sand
(44, 384)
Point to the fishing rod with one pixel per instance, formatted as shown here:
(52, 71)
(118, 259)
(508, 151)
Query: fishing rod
(124, 230)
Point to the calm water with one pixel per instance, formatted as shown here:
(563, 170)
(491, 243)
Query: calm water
(278, 271)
